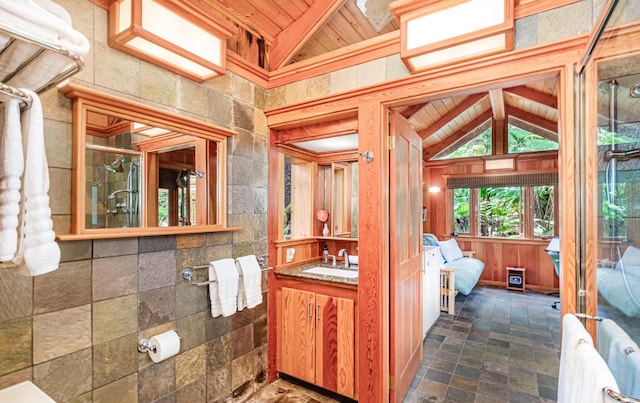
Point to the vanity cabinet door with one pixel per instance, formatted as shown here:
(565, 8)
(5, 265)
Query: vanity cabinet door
(335, 344)
(297, 351)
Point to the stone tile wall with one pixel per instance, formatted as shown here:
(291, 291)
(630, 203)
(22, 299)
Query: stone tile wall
(74, 332)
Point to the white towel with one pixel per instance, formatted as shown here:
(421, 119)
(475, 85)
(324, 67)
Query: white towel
(613, 343)
(38, 252)
(227, 276)
(11, 168)
(252, 280)
(583, 373)
(632, 386)
(46, 21)
(214, 297)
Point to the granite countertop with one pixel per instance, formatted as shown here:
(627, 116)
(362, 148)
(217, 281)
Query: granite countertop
(299, 272)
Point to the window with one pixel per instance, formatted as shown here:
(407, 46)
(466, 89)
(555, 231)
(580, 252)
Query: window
(509, 206)
(476, 147)
(523, 141)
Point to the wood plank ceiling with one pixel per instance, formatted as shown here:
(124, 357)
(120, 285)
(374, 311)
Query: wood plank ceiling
(276, 33)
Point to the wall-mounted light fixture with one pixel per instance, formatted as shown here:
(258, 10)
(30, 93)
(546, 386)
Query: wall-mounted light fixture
(176, 35)
(433, 33)
(500, 164)
(435, 189)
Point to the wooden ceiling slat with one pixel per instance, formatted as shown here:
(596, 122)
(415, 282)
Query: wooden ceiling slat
(456, 137)
(451, 115)
(533, 119)
(246, 16)
(272, 10)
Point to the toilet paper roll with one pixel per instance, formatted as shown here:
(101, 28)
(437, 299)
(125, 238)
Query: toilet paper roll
(166, 345)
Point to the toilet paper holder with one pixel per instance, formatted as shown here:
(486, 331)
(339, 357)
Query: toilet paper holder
(145, 347)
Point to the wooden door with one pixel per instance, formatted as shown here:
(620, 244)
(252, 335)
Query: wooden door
(335, 344)
(297, 356)
(405, 206)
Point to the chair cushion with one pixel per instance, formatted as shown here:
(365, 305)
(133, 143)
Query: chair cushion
(630, 261)
(450, 250)
(429, 239)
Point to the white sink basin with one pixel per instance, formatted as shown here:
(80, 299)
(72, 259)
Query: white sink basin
(332, 272)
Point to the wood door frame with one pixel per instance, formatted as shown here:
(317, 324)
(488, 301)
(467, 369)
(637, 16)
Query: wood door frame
(371, 102)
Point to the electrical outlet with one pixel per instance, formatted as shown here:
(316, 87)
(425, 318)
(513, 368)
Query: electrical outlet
(291, 252)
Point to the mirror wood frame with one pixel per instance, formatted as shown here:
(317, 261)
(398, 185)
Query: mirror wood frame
(85, 99)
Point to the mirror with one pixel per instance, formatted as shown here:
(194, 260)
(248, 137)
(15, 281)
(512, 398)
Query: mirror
(142, 170)
(320, 175)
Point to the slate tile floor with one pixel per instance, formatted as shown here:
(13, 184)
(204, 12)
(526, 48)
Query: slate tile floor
(499, 346)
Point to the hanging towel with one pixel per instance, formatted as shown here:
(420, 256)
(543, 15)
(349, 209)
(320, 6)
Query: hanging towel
(11, 168)
(252, 280)
(227, 284)
(632, 380)
(573, 333)
(214, 297)
(592, 377)
(613, 345)
(38, 252)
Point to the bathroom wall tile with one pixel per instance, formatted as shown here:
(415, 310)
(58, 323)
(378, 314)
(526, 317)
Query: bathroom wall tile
(395, 68)
(81, 13)
(241, 341)
(156, 381)
(318, 86)
(56, 106)
(191, 331)
(75, 250)
(194, 392)
(16, 295)
(191, 96)
(190, 365)
(260, 196)
(187, 241)
(245, 221)
(220, 108)
(58, 143)
(564, 22)
(260, 125)
(116, 70)
(218, 252)
(60, 193)
(61, 223)
(242, 143)
(242, 168)
(372, 72)
(191, 299)
(243, 89)
(122, 390)
(242, 248)
(59, 333)
(242, 319)
(260, 174)
(170, 398)
(15, 345)
(241, 370)
(260, 364)
(156, 307)
(242, 392)
(218, 238)
(219, 353)
(190, 257)
(241, 199)
(65, 377)
(86, 397)
(158, 85)
(114, 318)
(223, 84)
(260, 333)
(296, 91)
(344, 80)
(115, 276)
(260, 226)
(216, 327)
(115, 247)
(218, 384)
(115, 359)
(156, 243)
(242, 117)
(156, 270)
(260, 312)
(16, 377)
(66, 287)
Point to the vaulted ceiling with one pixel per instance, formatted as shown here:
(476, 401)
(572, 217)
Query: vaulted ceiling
(277, 33)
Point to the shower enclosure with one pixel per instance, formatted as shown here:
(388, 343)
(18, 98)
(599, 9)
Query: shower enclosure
(608, 276)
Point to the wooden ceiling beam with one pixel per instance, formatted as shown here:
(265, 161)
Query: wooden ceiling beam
(456, 137)
(293, 37)
(451, 115)
(412, 110)
(533, 95)
(546, 124)
(530, 127)
(497, 103)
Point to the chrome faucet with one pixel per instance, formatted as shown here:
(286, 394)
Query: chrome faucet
(343, 252)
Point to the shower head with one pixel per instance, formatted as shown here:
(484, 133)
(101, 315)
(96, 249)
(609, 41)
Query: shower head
(115, 166)
(634, 92)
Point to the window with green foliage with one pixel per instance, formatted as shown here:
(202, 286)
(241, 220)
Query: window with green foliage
(476, 147)
(505, 211)
(461, 212)
(523, 141)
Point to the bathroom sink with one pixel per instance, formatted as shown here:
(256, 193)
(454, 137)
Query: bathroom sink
(332, 272)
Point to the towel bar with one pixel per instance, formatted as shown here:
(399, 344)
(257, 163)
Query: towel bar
(187, 274)
(619, 396)
(585, 316)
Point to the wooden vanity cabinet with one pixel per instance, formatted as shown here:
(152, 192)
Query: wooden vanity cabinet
(317, 334)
